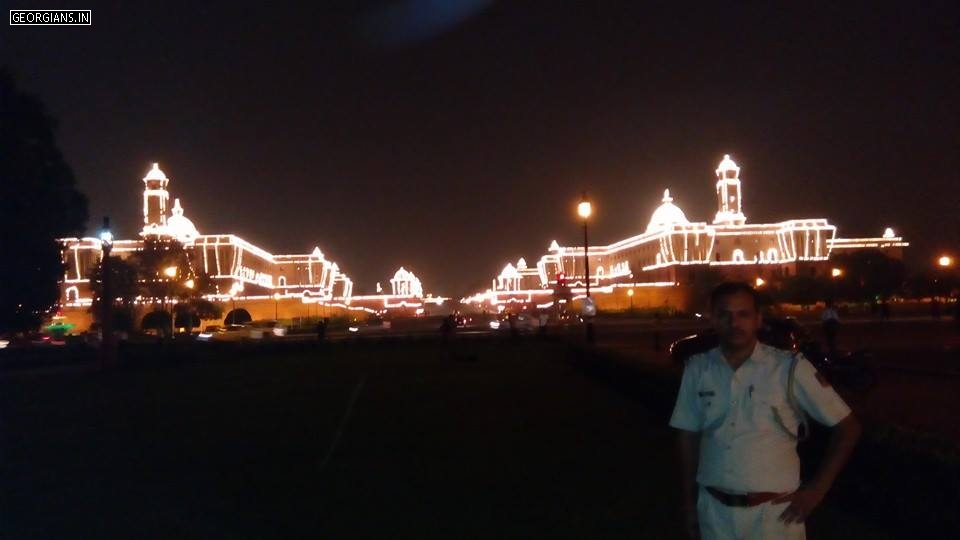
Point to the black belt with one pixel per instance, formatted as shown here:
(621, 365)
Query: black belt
(742, 500)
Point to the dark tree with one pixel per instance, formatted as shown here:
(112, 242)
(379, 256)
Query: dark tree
(205, 310)
(153, 259)
(39, 203)
(124, 283)
(869, 274)
(157, 320)
(238, 316)
(802, 289)
(185, 317)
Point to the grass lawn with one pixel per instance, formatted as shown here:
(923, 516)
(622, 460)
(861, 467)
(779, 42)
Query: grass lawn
(481, 439)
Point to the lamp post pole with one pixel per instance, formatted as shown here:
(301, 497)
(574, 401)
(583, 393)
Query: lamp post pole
(585, 209)
(171, 273)
(107, 343)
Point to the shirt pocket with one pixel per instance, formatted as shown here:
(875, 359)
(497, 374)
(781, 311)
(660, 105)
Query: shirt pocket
(712, 408)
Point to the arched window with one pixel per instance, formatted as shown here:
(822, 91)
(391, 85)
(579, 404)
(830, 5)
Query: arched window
(772, 254)
(282, 282)
(738, 255)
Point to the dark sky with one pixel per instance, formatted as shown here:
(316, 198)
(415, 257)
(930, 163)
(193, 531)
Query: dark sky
(453, 136)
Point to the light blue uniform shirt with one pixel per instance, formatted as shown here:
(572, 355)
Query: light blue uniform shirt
(746, 423)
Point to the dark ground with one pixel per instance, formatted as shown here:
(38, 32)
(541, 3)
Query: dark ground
(487, 439)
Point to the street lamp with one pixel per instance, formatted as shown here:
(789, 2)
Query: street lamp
(945, 261)
(630, 294)
(584, 210)
(760, 282)
(106, 301)
(276, 298)
(171, 272)
(836, 272)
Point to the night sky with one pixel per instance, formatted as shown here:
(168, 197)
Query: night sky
(453, 136)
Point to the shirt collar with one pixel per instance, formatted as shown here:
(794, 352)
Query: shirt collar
(760, 355)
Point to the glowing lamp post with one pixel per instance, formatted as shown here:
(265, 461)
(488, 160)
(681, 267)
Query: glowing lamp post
(106, 301)
(276, 299)
(584, 210)
(630, 295)
(836, 273)
(760, 282)
(945, 261)
(171, 272)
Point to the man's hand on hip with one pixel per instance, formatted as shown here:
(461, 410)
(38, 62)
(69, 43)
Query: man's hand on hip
(802, 503)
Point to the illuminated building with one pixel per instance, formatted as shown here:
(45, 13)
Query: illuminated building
(238, 270)
(265, 284)
(405, 298)
(673, 252)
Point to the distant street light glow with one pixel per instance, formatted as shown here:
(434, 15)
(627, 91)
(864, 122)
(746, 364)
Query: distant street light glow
(584, 209)
(836, 272)
(945, 261)
(170, 271)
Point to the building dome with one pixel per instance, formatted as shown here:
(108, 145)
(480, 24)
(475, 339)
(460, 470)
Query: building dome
(155, 174)
(667, 214)
(728, 168)
(179, 226)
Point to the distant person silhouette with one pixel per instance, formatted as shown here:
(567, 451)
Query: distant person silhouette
(830, 320)
(322, 329)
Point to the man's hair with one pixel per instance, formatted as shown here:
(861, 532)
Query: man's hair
(728, 288)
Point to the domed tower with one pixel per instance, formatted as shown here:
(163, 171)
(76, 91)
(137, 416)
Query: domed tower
(666, 214)
(179, 226)
(155, 197)
(729, 194)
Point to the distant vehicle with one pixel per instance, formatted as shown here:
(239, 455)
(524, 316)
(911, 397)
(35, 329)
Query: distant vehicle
(266, 329)
(30, 339)
(373, 325)
(230, 332)
(523, 323)
(851, 369)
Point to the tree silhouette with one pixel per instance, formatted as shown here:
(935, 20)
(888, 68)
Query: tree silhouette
(238, 316)
(157, 320)
(39, 203)
(869, 274)
(124, 283)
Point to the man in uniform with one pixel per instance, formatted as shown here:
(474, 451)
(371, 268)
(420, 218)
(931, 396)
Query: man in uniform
(738, 426)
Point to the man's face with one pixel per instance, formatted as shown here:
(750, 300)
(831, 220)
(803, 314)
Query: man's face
(736, 320)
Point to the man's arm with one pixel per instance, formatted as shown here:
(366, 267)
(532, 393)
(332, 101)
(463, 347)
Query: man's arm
(843, 438)
(689, 443)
